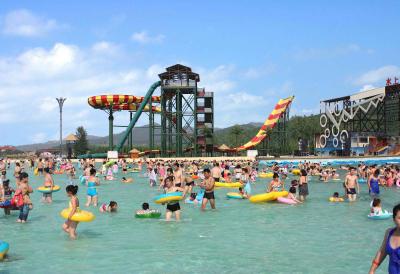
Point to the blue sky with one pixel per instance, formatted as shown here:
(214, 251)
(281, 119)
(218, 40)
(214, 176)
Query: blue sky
(250, 55)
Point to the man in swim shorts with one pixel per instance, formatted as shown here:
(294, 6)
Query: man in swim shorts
(351, 183)
(216, 172)
(208, 184)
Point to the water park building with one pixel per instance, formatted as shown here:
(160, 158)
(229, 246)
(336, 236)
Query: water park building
(365, 123)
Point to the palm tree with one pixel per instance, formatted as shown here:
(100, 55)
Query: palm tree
(236, 131)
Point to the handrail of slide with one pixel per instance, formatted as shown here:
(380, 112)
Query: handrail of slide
(132, 123)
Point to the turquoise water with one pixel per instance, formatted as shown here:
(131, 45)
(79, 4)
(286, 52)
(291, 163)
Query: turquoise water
(316, 237)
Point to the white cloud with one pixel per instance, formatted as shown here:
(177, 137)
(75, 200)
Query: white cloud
(367, 87)
(144, 37)
(318, 53)
(104, 47)
(378, 75)
(24, 23)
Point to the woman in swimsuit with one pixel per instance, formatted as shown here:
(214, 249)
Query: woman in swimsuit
(275, 184)
(48, 183)
(390, 246)
(70, 226)
(174, 206)
(373, 183)
(92, 182)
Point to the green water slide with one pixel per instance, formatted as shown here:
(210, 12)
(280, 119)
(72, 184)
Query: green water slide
(131, 125)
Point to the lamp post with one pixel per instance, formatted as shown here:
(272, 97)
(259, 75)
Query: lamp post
(61, 101)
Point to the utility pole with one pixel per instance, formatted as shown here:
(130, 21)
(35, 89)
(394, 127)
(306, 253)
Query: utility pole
(61, 101)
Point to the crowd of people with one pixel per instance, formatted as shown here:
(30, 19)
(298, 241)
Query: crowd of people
(185, 177)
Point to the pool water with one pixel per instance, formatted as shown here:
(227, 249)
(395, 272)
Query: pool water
(238, 237)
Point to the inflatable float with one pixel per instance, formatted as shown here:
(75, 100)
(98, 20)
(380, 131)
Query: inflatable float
(46, 190)
(79, 216)
(296, 172)
(362, 181)
(58, 172)
(36, 172)
(83, 179)
(266, 175)
(234, 195)
(168, 197)
(287, 201)
(3, 249)
(266, 197)
(149, 215)
(335, 200)
(385, 215)
(228, 185)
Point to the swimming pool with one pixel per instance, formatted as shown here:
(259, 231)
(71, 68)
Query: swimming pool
(316, 237)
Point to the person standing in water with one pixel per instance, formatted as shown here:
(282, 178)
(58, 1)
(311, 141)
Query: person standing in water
(303, 185)
(390, 246)
(373, 183)
(24, 189)
(216, 172)
(70, 226)
(208, 185)
(48, 183)
(178, 175)
(351, 183)
(173, 207)
(92, 182)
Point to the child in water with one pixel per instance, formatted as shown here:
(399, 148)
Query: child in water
(376, 208)
(92, 182)
(146, 209)
(335, 197)
(125, 180)
(243, 193)
(70, 226)
(6, 196)
(292, 195)
(111, 207)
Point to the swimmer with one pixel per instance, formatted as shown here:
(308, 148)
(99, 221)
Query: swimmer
(275, 184)
(376, 208)
(111, 207)
(292, 195)
(243, 193)
(390, 246)
(48, 183)
(208, 185)
(303, 185)
(6, 193)
(336, 198)
(125, 180)
(172, 207)
(70, 226)
(351, 183)
(92, 182)
(145, 209)
(189, 184)
(373, 183)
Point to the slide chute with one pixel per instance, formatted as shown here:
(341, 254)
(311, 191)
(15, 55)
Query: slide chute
(269, 124)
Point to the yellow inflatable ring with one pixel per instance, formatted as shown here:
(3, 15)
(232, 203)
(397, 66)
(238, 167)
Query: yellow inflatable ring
(46, 190)
(296, 172)
(168, 197)
(79, 216)
(266, 197)
(228, 185)
(266, 175)
(335, 200)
